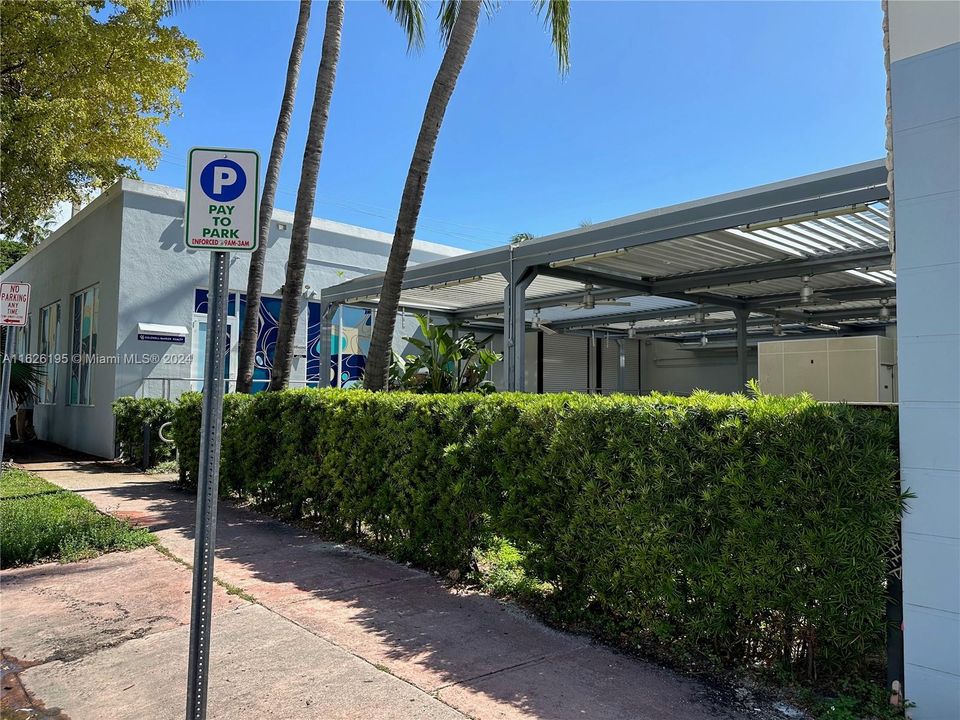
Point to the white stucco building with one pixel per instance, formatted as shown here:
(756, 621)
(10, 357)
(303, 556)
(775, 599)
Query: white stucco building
(116, 282)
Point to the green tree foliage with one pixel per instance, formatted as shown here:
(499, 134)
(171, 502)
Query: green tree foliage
(447, 361)
(85, 88)
(747, 532)
(10, 252)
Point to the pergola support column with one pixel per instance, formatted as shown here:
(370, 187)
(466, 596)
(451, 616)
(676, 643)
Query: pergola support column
(507, 336)
(742, 316)
(515, 327)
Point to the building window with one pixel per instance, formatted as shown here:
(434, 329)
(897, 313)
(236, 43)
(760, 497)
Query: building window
(86, 308)
(21, 341)
(199, 334)
(48, 345)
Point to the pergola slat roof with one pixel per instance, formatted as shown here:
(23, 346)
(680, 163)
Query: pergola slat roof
(750, 251)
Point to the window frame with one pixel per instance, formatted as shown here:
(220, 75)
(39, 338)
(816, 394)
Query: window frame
(77, 349)
(50, 381)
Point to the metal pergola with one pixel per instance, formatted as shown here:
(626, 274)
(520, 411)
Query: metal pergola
(799, 256)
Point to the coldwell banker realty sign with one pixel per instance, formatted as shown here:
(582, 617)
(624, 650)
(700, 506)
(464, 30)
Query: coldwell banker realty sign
(222, 193)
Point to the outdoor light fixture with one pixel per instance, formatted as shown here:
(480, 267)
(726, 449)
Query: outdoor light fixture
(806, 292)
(849, 210)
(704, 340)
(454, 283)
(700, 316)
(632, 330)
(884, 310)
(589, 303)
(586, 258)
(777, 328)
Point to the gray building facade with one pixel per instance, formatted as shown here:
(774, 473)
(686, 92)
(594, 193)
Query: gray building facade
(116, 284)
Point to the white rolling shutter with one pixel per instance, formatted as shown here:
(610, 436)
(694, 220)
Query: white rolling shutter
(565, 363)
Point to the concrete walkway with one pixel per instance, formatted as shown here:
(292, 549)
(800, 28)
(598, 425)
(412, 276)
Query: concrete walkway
(335, 632)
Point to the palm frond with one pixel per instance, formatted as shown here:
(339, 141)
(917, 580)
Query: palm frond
(25, 381)
(556, 18)
(449, 10)
(178, 6)
(409, 15)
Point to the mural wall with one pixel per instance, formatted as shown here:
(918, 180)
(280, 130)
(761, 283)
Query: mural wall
(345, 358)
(266, 338)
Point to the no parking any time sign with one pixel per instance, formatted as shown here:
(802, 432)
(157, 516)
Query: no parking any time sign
(14, 303)
(222, 192)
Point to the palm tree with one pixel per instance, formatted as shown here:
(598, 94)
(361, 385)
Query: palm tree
(248, 336)
(458, 22)
(409, 15)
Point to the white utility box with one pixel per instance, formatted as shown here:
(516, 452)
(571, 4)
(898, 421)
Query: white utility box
(845, 369)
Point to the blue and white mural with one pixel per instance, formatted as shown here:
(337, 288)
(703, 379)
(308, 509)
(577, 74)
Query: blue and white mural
(348, 348)
(347, 356)
(266, 337)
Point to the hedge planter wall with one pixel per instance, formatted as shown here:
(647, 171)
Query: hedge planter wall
(131, 414)
(749, 531)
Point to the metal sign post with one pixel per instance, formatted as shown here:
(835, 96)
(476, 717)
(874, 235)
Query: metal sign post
(221, 215)
(5, 390)
(208, 484)
(14, 310)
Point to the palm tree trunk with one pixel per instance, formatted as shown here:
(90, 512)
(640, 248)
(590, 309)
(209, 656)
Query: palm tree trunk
(306, 194)
(888, 121)
(251, 324)
(461, 37)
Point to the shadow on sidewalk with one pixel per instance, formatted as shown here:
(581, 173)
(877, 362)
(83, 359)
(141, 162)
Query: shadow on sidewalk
(481, 656)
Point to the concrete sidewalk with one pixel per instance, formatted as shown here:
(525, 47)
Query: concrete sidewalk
(337, 633)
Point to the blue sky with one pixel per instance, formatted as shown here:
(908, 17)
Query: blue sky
(664, 103)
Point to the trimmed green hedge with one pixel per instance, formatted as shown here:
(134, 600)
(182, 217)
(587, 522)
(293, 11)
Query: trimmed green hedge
(749, 531)
(131, 414)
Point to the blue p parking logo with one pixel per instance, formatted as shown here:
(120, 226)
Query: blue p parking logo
(223, 180)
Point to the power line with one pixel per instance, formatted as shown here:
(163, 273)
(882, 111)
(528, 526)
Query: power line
(432, 224)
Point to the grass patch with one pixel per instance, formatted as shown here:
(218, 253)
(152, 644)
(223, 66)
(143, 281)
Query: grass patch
(236, 591)
(229, 587)
(41, 521)
(17, 483)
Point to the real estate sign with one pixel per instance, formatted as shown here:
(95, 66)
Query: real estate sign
(222, 192)
(14, 303)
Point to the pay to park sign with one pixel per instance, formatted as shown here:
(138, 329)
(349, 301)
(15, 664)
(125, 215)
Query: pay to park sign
(222, 192)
